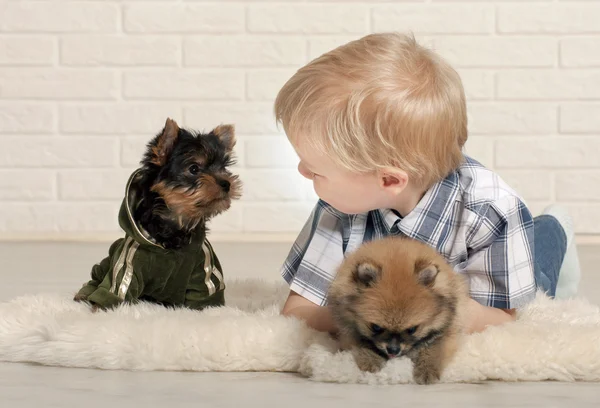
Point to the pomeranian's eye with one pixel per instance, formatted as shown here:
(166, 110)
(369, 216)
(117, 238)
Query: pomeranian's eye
(376, 329)
(411, 330)
(194, 169)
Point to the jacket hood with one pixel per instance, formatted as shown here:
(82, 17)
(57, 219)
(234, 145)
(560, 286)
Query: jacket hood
(128, 207)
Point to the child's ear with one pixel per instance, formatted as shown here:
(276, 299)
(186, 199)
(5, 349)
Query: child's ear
(163, 144)
(226, 134)
(392, 180)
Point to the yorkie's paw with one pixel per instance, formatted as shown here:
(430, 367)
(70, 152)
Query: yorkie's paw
(80, 298)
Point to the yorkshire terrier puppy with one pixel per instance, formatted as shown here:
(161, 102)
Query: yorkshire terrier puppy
(398, 297)
(165, 257)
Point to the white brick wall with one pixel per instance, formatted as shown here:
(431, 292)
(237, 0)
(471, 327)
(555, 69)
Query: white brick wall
(85, 84)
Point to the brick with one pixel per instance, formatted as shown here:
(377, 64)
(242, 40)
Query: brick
(270, 152)
(229, 221)
(531, 185)
(272, 185)
(548, 84)
(320, 45)
(58, 152)
(26, 118)
(481, 148)
(132, 150)
(586, 217)
(27, 50)
(26, 185)
(276, 217)
(494, 52)
(120, 51)
(58, 17)
(65, 217)
(264, 85)
(52, 84)
(537, 207)
(184, 84)
(249, 118)
(183, 18)
(224, 51)
(548, 152)
(580, 52)
(311, 19)
(480, 1)
(311, 195)
(581, 185)
(92, 184)
(512, 118)
(478, 84)
(434, 18)
(580, 118)
(549, 18)
(117, 119)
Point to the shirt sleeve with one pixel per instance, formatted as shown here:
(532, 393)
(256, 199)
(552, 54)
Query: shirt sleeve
(500, 264)
(316, 255)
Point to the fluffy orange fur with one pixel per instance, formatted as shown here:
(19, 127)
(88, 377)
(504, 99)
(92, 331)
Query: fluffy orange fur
(399, 297)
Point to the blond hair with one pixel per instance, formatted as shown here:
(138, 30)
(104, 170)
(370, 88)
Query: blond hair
(380, 101)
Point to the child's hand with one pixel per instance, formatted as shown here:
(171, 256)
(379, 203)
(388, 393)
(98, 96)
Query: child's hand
(479, 317)
(317, 317)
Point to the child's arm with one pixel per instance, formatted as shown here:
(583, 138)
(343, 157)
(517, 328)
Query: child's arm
(317, 317)
(500, 265)
(311, 264)
(479, 317)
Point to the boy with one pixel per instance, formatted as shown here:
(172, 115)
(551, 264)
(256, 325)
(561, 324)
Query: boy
(379, 125)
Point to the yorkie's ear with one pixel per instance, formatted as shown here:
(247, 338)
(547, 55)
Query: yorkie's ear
(226, 134)
(165, 142)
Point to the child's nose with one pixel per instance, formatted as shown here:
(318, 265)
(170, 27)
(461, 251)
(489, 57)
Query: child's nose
(304, 171)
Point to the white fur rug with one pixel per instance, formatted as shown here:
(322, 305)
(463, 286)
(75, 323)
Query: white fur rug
(551, 340)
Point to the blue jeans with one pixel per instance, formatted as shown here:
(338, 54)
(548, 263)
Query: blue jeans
(550, 246)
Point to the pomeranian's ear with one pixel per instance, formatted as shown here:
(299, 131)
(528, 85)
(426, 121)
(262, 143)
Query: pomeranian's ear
(367, 273)
(426, 273)
(226, 135)
(163, 144)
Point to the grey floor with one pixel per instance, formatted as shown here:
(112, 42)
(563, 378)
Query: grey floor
(52, 267)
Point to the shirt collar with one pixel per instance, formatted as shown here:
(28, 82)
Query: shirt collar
(431, 211)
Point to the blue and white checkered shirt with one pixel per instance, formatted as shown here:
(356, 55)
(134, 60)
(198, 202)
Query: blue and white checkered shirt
(472, 217)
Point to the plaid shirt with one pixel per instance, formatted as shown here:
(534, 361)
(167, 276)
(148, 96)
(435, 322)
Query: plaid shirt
(475, 220)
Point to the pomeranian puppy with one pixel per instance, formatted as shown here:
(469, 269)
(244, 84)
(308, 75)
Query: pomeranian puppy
(398, 297)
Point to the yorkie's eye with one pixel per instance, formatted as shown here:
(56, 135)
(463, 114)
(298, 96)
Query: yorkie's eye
(411, 330)
(194, 169)
(376, 329)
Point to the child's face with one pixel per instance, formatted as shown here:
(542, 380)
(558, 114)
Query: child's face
(346, 191)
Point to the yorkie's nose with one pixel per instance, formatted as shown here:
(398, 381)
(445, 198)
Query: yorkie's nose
(224, 185)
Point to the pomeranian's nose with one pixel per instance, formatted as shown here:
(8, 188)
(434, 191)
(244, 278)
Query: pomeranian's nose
(225, 185)
(393, 350)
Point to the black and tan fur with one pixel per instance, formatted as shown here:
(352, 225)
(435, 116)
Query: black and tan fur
(185, 181)
(165, 257)
(398, 297)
